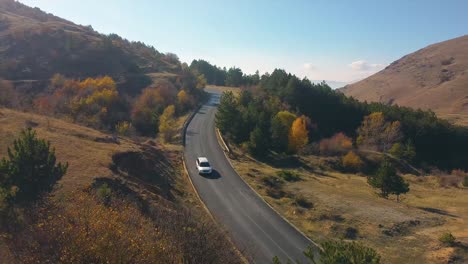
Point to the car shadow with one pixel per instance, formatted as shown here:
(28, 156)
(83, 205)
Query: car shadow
(212, 176)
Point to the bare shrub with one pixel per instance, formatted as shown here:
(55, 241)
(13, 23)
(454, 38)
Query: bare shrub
(338, 144)
(79, 229)
(448, 61)
(302, 201)
(449, 180)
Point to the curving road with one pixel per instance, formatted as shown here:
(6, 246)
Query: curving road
(253, 225)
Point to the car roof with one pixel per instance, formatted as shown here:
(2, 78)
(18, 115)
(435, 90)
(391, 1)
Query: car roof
(202, 159)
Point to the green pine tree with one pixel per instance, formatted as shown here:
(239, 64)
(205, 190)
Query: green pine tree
(227, 114)
(31, 168)
(388, 181)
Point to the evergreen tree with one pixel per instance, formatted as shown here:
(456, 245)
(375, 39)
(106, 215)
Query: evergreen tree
(388, 181)
(234, 77)
(31, 168)
(258, 144)
(280, 126)
(228, 114)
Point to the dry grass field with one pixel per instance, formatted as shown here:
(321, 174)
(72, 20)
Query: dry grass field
(90, 152)
(235, 90)
(74, 144)
(330, 205)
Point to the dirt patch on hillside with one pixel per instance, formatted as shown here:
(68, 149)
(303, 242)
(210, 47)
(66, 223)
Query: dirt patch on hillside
(150, 166)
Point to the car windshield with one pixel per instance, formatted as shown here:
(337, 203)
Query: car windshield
(204, 164)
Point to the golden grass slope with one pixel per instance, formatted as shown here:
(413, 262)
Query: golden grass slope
(73, 143)
(435, 78)
(344, 206)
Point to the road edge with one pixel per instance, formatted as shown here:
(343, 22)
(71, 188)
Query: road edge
(220, 138)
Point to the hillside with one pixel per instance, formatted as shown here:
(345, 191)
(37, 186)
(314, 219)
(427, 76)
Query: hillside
(35, 45)
(147, 189)
(435, 78)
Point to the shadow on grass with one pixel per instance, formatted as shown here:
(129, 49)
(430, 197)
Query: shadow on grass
(280, 161)
(437, 211)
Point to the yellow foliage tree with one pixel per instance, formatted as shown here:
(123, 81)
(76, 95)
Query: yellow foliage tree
(298, 135)
(102, 83)
(167, 123)
(183, 100)
(122, 128)
(106, 82)
(201, 81)
(375, 132)
(352, 161)
(103, 97)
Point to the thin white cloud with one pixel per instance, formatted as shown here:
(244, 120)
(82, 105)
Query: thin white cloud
(364, 66)
(308, 66)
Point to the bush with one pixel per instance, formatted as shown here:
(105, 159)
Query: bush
(276, 193)
(301, 201)
(79, 229)
(83, 231)
(333, 252)
(351, 233)
(271, 181)
(341, 252)
(344, 252)
(289, 176)
(460, 173)
(167, 124)
(31, 168)
(123, 128)
(104, 194)
(447, 239)
(388, 181)
(338, 144)
(352, 162)
(465, 181)
(446, 180)
(404, 152)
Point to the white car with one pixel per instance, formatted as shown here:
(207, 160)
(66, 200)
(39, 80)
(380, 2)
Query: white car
(203, 166)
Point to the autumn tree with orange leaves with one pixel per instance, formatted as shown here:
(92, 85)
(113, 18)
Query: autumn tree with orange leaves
(298, 135)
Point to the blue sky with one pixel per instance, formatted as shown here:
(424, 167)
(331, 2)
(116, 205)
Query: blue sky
(323, 40)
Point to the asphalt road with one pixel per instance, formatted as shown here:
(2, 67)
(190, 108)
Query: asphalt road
(254, 226)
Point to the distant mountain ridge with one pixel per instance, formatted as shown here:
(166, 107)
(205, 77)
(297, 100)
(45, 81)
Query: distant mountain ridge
(435, 77)
(35, 45)
(332, 84)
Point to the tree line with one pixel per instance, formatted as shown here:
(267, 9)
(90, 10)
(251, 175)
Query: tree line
(224, 77)
(285, 114)
(98, 103)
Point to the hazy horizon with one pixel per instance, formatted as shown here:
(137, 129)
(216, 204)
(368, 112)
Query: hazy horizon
(308, 39)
